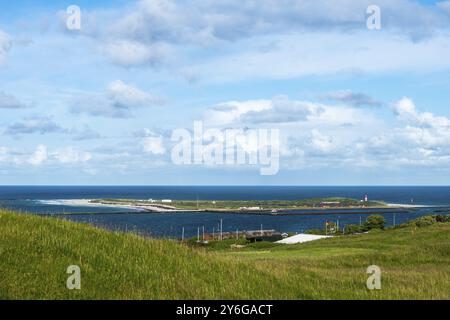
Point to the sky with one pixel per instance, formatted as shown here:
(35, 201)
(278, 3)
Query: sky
(102, 104)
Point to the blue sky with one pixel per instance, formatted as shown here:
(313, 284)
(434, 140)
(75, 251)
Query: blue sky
(99, 105)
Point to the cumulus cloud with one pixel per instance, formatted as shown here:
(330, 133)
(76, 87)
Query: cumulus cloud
(406, 110)
(154, 145)
(321, 142)
(4, 155)
(39, 156)
(345, 135)
(231, 111)
(349, 97)
(153, 142)
(278, 110)
(71, 155)
(119, 101)
(423, 130)
(66, 155)
(8, 101)
(34, 125)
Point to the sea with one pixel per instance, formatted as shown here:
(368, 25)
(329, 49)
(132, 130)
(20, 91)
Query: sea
(52, 200)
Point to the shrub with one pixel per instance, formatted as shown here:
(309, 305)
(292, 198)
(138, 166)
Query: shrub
(352, 228)
(443, 218)
(374, 222)
(425, 221)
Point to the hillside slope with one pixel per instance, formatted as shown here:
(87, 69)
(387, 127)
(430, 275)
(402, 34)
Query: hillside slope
(36, 251)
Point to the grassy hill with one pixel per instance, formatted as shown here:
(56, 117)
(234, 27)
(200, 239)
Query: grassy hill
(36, 251)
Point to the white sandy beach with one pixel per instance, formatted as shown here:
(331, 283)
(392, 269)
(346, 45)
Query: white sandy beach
(88, 203)
(399, 205)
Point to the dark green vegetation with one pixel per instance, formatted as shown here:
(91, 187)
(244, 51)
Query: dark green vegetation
(250, 204)
(372, 222)
(36, 251)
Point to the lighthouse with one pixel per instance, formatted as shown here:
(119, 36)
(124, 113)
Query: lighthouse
(366, 198)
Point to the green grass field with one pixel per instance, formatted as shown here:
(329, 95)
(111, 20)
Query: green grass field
(36, 251)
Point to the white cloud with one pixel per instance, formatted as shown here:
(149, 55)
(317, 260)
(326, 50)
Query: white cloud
(345, 136)
(231, 111)
(154, 145)
(71, 155)
(321, 142)
(124, 95)
(4, 156)
(278, 110)
(131, 53)
(151, 30)
(39, 156)
(66, 155)
(406, 110)
(119, 101)
(423, 130)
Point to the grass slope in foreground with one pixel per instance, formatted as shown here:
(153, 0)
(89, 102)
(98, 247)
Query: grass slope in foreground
(36, 251)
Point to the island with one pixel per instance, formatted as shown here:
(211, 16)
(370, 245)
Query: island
(240, 206)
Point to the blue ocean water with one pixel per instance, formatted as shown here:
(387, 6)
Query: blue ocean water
(41, 200)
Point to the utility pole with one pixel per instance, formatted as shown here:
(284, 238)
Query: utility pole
(221, 230)
(198, 234)
(261, 230)
(394, 219)
(203, 233)
(182, 235)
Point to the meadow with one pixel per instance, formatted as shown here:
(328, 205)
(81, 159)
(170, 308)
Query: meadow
(36, 251)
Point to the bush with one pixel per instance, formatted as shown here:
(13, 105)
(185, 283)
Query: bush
(374, 222)
(352, 229)
(443, 218)
(425, 221)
